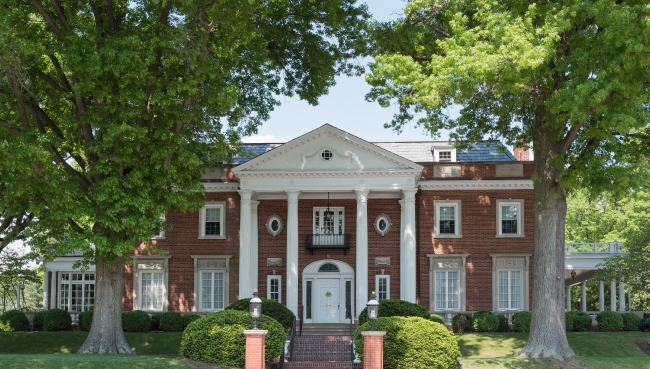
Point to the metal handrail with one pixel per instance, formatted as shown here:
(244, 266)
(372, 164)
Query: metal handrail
(301, 319)
(284, 357)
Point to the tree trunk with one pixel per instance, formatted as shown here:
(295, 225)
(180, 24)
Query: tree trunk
(106, 335)
(547, 337)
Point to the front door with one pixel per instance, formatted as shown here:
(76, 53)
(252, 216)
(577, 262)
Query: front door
(328, 300)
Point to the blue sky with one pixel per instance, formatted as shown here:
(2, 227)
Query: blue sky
(344, 107)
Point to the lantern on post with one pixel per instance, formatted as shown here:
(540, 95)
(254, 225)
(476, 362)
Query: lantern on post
(373, 310)
(255, 307)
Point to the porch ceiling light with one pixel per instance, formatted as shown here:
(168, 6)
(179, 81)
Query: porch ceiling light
(255, 307)
(373, 310)
(573, 274)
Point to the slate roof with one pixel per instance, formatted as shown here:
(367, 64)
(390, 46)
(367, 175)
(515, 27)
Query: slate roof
(418, 152)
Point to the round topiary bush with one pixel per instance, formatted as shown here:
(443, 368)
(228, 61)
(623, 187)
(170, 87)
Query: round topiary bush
(503, 323)
(396, 308)
(461, 323)
(568, 322)
(631, 322)
(86, 320)
(136, 321)
(13, 321)
(218, 338)
(271, 308)
(581, 321)
(57, 320)
(437, 319)
(485, 321)
(521, 321)
(609, 321)
(37, 322)
(413, 342)
(189, 318)
(155, 322)
(171, 322)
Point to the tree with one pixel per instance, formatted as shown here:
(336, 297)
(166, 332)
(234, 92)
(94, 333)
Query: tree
(570, 78)
(15, 270)
(117, 105)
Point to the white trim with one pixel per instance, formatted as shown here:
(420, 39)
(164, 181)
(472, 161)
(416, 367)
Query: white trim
(280, 225)
(510, 262)
(149, 264)
(388, 224)
(220, 186)
(197, 277)
(437, 148)
(456, 204)
(70, 282)
(321, 211)
(161, 234)
(268, 287)
(448, 262)
(520, 217)
(468, 185)
(387, 278)
(222, 226)
(345, 274)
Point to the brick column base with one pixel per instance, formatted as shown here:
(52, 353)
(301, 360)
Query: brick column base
(255, 349)
(373, 349)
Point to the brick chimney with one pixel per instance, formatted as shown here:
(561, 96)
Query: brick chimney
(521, 153)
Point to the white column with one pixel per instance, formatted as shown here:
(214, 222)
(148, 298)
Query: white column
(629, 298)
(402, 264)
(46, 282)
(621, 294)
(612, 295)
(407, 269)
(362, 250)
(55, 287)
(568, 298)
(245, 287)
(583, 298)
(601, 296)
(254, 246)
(292, 251)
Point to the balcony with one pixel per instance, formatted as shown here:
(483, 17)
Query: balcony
(327, 241)
(593, 248)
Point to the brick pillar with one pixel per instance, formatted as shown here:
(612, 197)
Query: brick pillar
(255, 349)
(373, 349)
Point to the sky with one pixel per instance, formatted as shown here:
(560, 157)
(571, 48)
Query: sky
(344, 107)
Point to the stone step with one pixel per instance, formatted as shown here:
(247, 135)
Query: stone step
(327, 329)
(322, 348)
(321, 365)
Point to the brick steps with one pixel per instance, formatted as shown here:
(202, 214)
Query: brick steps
(322, 352)
(321, 365)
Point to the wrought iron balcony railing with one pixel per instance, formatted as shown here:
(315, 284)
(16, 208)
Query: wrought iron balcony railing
(328, 241)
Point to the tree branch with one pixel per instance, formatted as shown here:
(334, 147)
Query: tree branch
(22, 112)
(570, 136)
(59, 13)
(49, 21)
(48, 79)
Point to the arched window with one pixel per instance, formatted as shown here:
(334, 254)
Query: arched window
(328, 268)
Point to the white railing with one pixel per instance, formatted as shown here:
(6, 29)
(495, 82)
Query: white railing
(593, 248)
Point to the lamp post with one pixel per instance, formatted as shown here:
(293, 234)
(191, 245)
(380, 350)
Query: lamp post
(255, 307)
(373, 310)
(19, 289)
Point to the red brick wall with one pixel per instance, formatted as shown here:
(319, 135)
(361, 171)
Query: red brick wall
(477, 171)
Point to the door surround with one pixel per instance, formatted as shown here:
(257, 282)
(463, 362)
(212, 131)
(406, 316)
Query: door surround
(311, 274)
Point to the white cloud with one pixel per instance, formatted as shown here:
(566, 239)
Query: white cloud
(270, 138)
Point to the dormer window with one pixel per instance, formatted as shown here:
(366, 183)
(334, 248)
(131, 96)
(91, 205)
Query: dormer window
(444, 155)
(443, 152)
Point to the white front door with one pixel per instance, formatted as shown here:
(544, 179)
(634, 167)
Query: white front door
(328, 300)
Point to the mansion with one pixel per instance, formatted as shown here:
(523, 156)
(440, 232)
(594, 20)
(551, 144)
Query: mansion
(321, 221)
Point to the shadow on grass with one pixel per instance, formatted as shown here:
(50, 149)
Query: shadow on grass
(491, 345)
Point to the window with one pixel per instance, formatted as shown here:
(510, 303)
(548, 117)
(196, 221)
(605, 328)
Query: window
(274, 225)
(510, 295)
(510, 218)
(160, 233)
(150, 278)
(444, 155)
(447, 218)
(447, 285)
(329, 226)
(447, 282)
(510, 282)
(274, 288)
(212, 290)
(382, 285)
(211, 282)
(211, 221)
(152, 292)
(443, 152)
(77, 291)
(382, 224)
(326, 155)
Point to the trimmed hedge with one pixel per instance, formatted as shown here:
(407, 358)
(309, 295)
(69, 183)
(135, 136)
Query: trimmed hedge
(413, 343)
(155, 322)
(136, 321)
(609, 321)
(631, 322)
(86, 320)
(171, 322)
(485, 321)
(189, 318)
(396, 308)
(37, 322)
(581, 321)
(13, 321)
(218, 338)
(57, 320)
(521, 321)
(503, 323)
(271, 308)
(461, 323)
(437, 319)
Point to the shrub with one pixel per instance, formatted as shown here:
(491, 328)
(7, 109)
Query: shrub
(485, 321)
(568, 322)
(57, 320)
(396, 308)
(461, 323)
(189, 318)
(171, 322)
(437, 319)
(13, 321)
(218, 338)
(155, 322)
(136, 321)
(521, 321)
(413, 342)
(503, 323)
(37, 322)
(86, 320)
(631, 322)
(609, 321)
(581, 321)
(271, 308)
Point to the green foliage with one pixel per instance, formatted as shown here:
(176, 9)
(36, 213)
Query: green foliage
(503, 323)
(86, 320)
(13, 321)
(568, 322)
(461, 323)
(218, 338)
(137, 321)
(155, 322)
(396, 308)
(171, 322)
(631, 321)
(57, 320)
(609, 321)
(485, 321)
(413, 343)
(437, 319)
(15, 269)
(581, 321)
(521, 321)
(271, 308)
(189, 318)
(37, 322)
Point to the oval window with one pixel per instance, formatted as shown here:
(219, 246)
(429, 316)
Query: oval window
(274, 225)
(382, 224)
(327, 155)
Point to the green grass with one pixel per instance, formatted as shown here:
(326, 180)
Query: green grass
(10, 361)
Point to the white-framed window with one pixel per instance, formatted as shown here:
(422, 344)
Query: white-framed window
(510, 218)
(447, 289)
(212, 290)
(382, 224)
(447, 218)
(447, 282)
(211, 282)
(274, 225)
(444, 152)
(76, 291)
(212, 222)
(382, 286)
(160, 234)
(274, 287)
(152, 291)
(509, 284)
(150, 279)
(332, 222)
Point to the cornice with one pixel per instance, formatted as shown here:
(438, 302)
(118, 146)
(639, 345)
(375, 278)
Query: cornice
(220, 186)
(324, 174)
(459, 185)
